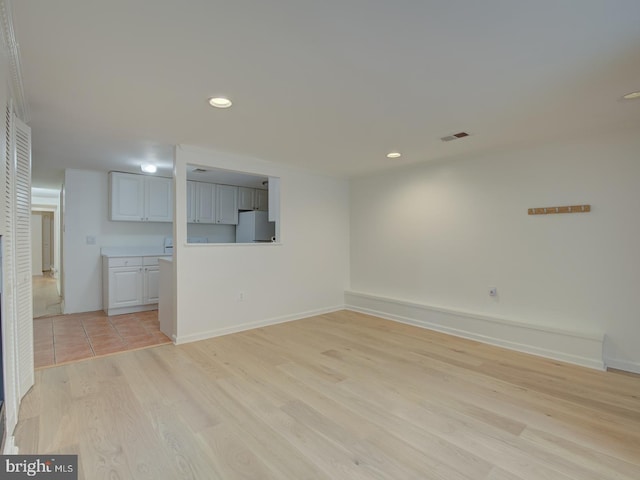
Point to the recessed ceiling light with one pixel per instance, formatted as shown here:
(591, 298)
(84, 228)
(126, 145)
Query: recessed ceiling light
(394, 155)
(631, 96)
(148, 168)
(220, 102)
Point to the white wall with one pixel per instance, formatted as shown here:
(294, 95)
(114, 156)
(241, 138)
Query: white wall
(86, 214)
(306, 274)
(36, 244)
(441, 234)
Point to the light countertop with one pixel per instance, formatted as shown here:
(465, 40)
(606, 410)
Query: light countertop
(134, 252)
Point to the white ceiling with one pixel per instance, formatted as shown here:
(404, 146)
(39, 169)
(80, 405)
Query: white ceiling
(329, 85)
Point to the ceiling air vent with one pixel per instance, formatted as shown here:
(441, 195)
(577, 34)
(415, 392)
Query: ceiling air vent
(455, 136)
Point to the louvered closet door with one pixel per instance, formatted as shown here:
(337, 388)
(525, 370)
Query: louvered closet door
(8, 297)
(24, 306)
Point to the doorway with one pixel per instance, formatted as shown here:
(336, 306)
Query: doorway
(46, 295)
(47, 242)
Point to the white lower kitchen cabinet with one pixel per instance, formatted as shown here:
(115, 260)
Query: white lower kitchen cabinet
(125, 287)
(151, 282)
(130, 284)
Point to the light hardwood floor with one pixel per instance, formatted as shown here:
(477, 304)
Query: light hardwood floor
(338, 396)
(46, 300)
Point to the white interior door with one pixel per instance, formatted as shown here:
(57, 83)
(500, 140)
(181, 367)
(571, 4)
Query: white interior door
(36, 243)
(47, 241)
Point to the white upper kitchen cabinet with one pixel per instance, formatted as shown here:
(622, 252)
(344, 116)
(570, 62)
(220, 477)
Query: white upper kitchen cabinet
(211, 203)
(227, 204)
(159, 199)
(262, 200)
(127, 197)
(253, 199)
(246, 197)
(139, 198)
(191, 201)
(205, 202)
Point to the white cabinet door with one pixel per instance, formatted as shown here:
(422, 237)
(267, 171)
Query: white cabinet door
(151, 285)
(262, 200)
(127, 197)
(137, 198)
(205, 203)
(191, 202)
(125, 287)
(158, 199)
(245, 198)
(227, 204)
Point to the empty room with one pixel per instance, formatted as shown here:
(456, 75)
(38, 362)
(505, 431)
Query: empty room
(320, 240)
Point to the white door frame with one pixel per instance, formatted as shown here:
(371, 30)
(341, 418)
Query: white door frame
(55, 239)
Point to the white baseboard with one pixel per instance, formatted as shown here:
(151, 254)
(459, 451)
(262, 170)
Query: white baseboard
(625, 365)
(138, 308)
(568, 346)
(194, 337)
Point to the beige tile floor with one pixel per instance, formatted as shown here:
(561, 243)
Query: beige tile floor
(68, 338)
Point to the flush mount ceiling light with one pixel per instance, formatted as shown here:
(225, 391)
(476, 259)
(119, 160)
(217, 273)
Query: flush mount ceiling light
(631, 96)
(394, 155)
(148, 168)
(220, 102)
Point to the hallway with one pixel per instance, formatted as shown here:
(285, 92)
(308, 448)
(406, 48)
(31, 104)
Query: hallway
(46, 300)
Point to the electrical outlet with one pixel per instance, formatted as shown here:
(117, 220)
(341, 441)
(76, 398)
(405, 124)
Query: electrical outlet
(241, 296)
(493, 291)
(91, 240)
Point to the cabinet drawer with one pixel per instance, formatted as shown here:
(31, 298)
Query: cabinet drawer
(149, 261)
(125, 262)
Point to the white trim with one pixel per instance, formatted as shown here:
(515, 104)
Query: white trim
(13, 52)
(10, 447)
(579, 348)
(194, 337)
(135, 309)
(625, 365)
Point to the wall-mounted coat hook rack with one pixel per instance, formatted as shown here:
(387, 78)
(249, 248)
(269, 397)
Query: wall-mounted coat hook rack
(565, 209)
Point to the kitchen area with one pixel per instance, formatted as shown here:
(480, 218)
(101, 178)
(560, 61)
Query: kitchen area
(223, 208)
